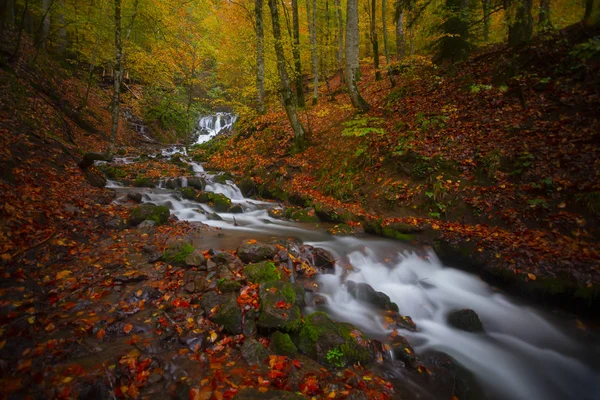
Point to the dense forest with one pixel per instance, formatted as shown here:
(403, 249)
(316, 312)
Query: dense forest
(249, 199)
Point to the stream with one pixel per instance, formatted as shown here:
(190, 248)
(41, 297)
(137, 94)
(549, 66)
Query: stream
(525, 353)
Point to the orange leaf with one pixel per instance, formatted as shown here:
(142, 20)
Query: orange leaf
(531, 276)
(127, 328)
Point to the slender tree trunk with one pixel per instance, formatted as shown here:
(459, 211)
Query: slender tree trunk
(486, 19)
(400, 39)
(312, 29)
(118, 70)
(374, 39)
(45, 31)
(90, 78)
(520, 28)
(386, 49)
(20, 35)
(61, 47)
(352, 66)
(544, 15)
(260, 55)
(296, 54)
(287, 94)
(340, 49)
(8, 14)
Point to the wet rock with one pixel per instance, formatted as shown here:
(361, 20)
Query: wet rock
(211, 265)
(305, 215)
(227, 311)
(390, 231)
(282, 344)
(95, 178)
(229, 285)
(255, 252)
(173, 183)
(333, 343)
(279, 306)
(145, 293)
(403, 322)
(255, 394)
(247, 187)
(194, 281)
(237, 209)
(147, 224)
(145, 182)
(128, 279)
(249, 323)
(364, 292)
(404, 352)
(196, 183)
(466, 320)
(224, 177)
(323, 259)
(195, 259)
(182, 392)
(189, 193)
(192, 341)
(329, 214)
(220, 202)
(276, 213)
(213, 217)
(264, 271)
(223, 257)
(158, 214)
(451, 378)
(254, 353)
(116, 223)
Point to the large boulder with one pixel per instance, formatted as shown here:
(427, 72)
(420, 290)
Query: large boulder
(280, 304)
(466, 320)
(255, 252)
(334, 343)
(282, 344)
(158, 214)
(247, 187)
(173, 183)
(365, 293)
(195, 259)
(189, 193)
(227, 312)
(196, 183)
(219, 202)
(450, 378)
(254, 353)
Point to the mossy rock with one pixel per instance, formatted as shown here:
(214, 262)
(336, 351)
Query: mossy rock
(237, 209)
(196, 183)
(255, 394)
(178, 254)
(144, 182)
(112, 172)
(305, 215)
(229, 285)
(329, 214)
(262, 272)
(278, 309)
(228, 313)
(255, 252)
(189, 193)
(341, 230)
(203, 197)
(276, 213)
(254, 353)
(247, 187)
(173, 183)
(282, 344)
(224, 177)
(220, 202)
(333, 343)
(151, 212)
(389, 231)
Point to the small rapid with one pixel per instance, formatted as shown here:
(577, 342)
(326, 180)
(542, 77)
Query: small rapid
(210, 126)
(524, 353)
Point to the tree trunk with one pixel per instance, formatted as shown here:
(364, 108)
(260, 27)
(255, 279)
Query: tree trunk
(61, 48)
(386, 49)
(284, 80)
(9, 13)
(454, 45)
(400, 39)
(520, 28)
(486, 19)
(544, 16)
(374, 40)
(340, 49)
(15, 54)
(296, 54)
(260, 55)
(118, 70)
(312, 29)
(352, 66)
(45, 31)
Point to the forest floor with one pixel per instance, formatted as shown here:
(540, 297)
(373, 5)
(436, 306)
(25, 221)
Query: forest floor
(495, 160)
(89, 306)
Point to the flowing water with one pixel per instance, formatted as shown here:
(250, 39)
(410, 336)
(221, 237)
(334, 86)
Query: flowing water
(211, 125)
(525, 353)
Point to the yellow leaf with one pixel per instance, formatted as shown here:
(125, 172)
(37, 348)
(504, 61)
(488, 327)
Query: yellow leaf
(531, 276)
(213, 336)
(63, 274)
(67, 379)
(31, 319)
(331, 395)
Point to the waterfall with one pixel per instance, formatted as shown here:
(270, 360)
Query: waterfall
(211, 125)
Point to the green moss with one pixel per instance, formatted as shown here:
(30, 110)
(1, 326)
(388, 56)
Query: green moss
(189, 193)
(262, 272)
(177, 255)
(394, 234)
(112, 172)
(158, 214)
(220, 202)
(144, 182)
(282, 344)
(227, 285)
(289, 293)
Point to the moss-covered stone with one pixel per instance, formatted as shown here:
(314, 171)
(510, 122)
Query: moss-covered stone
(224, 177)
(390, 231)
(278, 306)
(144, 182)
(229, 285)
(247, 187)
(228, 312)
(178, 254)
(189, 193)
(236, 209)
(341, 230)
(319, 336)
(151, 212)
(305, 215)
(255, 252)
(282, 344)
(262, 272)
(220, 202)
